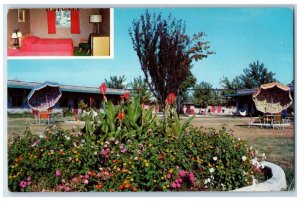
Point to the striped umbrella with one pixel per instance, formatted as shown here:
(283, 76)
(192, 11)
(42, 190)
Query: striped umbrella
(44, 96)
(272, 98)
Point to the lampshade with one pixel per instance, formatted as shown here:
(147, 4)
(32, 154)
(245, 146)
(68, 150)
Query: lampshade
(14, 35)
(19, 34)
(96, 18)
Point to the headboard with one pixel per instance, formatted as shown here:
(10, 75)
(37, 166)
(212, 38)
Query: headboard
(24, 37)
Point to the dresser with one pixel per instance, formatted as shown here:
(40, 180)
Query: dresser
(100, 45)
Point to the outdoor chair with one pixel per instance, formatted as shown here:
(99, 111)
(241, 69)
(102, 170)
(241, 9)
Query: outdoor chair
(267, 120)
(279, 122)
(255, 121)
(44, 115)
(35, 114)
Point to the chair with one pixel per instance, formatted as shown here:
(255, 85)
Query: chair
(35, 114)
(44, 115)
(278, 121)
(255, 121)
(86, 45)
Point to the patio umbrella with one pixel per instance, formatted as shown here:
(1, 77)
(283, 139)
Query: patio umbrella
(272, 98)
(44, 96)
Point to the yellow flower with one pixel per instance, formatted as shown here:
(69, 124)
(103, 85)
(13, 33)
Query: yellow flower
(171, 171)
(147, 164)
(154, 181)
(124, 164)
(102, 143)
(131, 179)
(164, 187)
(132, 166)
(145, 161)
(35, 157)
(76, 159)
(150, 145)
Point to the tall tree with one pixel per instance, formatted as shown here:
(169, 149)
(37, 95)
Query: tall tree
(202, 95)
(165, 52)
(140, 89)
(116, 82)
(255, 75)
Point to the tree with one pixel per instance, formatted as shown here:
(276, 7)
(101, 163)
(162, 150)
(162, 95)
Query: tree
(202, 95)
(165, 52)
(116, 82)
(140, 89)
(255, 75)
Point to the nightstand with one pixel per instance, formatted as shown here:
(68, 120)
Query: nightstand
(100, 45)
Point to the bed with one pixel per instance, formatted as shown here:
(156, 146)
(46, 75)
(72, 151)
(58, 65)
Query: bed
(36, 46)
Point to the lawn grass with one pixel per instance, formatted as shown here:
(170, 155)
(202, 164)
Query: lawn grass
(277, 144)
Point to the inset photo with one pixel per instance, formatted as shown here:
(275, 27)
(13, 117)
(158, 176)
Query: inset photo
(59, 32)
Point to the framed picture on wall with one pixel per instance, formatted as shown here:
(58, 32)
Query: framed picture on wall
(21, 15)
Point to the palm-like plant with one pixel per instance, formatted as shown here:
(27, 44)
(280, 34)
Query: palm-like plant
(116, 82)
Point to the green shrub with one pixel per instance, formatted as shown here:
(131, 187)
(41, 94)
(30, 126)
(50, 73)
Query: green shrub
(126, 148)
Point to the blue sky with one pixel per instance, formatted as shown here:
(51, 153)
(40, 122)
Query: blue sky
(239, 36)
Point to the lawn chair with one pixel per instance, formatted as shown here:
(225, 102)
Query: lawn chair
(267, 120)
(278, 121)
(44, 115)
(254, 121)
(243, 114)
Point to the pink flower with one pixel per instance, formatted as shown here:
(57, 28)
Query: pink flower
(23, 184)
(169, 176)
(75, 180)
(192, 177)
(60, 187)
(28, 178)
(86, 176)
(182, 173)
(86, 181)
(179, 180)
(70, 158)
(67, 188)
(105, 152)
(178, 185)
(173, 185)
(57, 173)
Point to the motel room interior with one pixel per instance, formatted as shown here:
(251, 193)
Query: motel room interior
(58, 32)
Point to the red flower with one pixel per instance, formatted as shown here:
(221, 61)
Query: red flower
(103, 88)
(121, 116)
(171, 99)
(125, 96)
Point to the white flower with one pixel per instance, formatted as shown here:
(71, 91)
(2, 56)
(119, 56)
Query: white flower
(107, 142)
(95, 153)
(83, 140)
(205, 181)
(244, 158)
(239, 139)
(263, 154)
(136, 158)
(215, 158)
(105, 145)
(112, 139)
(211, 170)
(68, 138)
(117, 142)
(74, 144)
(251, 147)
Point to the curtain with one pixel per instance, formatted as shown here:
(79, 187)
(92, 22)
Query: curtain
(75, 23)
(51, 15)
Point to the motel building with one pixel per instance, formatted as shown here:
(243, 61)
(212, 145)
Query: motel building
(17, 92)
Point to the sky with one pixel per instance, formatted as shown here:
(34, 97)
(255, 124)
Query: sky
(239, 36)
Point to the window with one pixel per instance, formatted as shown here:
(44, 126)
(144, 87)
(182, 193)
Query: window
(16, 101)
(63, 18)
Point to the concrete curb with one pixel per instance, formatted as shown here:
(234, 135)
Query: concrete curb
(276, 183)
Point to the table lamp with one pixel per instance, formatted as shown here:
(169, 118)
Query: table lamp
(95, 19)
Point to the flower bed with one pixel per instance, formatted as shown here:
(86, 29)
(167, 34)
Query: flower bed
(126, 148)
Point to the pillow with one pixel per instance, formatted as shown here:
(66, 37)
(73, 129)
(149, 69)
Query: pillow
(29, 40)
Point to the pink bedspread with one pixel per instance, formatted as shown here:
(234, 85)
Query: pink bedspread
(35, 46)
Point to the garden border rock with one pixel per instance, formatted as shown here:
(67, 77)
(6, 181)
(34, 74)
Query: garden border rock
(276, 183)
